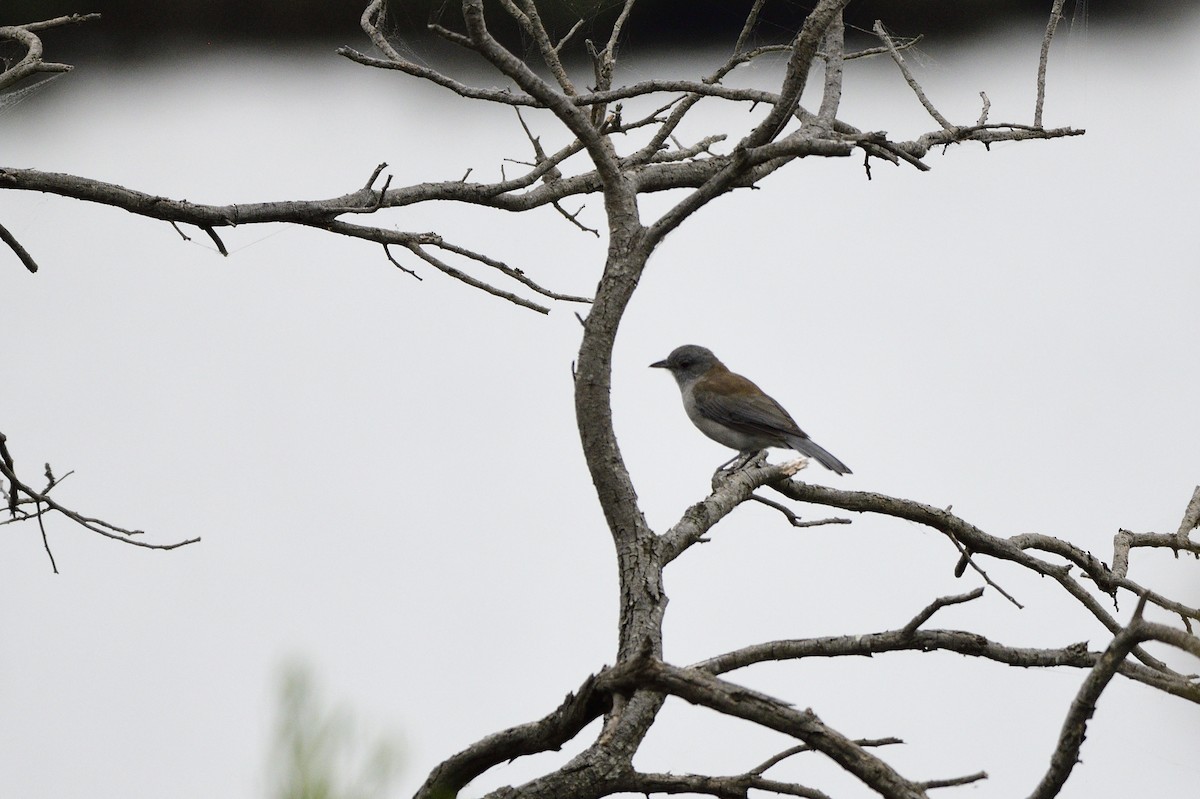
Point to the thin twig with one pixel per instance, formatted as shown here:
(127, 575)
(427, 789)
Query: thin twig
(908, 77)
(983, 114)
(397, 264)
(610, 49)
(539, 155)
(574, 220)
(45, 540)
(458, 274)
(871, 52)
(515, 274)
(1191, 517)
(954, 781)
(1052, 24)
(21, 253)
(800, 749)
(748, 27)
(563, 41)
(8, 469)
(793, 519)
(38, 498)
(936, 605)
(530, 20)
(966, 560)
(212, 234)
(375, 175)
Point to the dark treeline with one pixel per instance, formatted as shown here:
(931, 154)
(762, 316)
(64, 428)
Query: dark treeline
(136, 26)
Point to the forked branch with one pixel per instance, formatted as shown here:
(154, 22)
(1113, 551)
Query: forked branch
(21, 496)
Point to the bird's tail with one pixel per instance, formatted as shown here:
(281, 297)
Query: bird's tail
(806, 446)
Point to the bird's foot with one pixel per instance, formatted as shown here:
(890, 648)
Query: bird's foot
(742, 460)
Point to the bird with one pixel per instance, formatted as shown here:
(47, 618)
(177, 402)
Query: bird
(733, 411)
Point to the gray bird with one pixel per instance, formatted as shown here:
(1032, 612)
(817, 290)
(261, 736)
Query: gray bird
(733, 411)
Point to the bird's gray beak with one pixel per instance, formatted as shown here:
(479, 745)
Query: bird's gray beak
(659, 365)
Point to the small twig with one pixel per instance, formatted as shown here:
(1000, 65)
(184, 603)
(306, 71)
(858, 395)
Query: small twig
(106, 529)
(562, 42)
(382, 193)
(52, 481)
(1191, 519)
(800, 749)
(792, 518)
(212, 234)
(1055, 17)
(397, 264)
(31, 63)
(530, 20)
(401, 64)
(748, 27)
(876, 143)
(45, 540)
(375, 175)
(8, 469)
(966, 560)
(987, 106)
(936, 605)
(179, 230)
(953, 781)
(871, 52)
(908, 77)
(515, 274)
(681, 153)
(451, 36)
(539, 155)
(573, 218)
(21, 253)
(70, 19)
(610, 49)
(458, 274)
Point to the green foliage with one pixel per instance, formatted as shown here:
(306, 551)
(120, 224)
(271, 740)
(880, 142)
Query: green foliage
(322, 752)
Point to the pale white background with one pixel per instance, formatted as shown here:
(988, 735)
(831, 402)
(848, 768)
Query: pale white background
(385, 472)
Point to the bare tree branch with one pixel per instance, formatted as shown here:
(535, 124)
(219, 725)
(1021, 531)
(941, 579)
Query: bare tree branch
(910, 638)
(1083, 707)
(31, 63)
(42, 498)
(15, 246)
(802, 748)
(909, 79)
(701, 688)
(595, 162)
(974, 539)
(548, 733)
(1051, 26)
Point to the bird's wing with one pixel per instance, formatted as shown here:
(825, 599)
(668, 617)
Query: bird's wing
(736, 402)
(741, 405)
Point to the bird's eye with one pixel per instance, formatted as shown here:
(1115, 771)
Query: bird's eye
(685, 362)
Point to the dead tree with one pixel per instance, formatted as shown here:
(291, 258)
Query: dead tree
(623, 144)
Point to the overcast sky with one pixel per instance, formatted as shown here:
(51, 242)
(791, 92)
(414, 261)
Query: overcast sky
(385, 472)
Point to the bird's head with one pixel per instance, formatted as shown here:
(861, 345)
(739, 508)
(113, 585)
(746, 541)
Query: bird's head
(688, 362)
